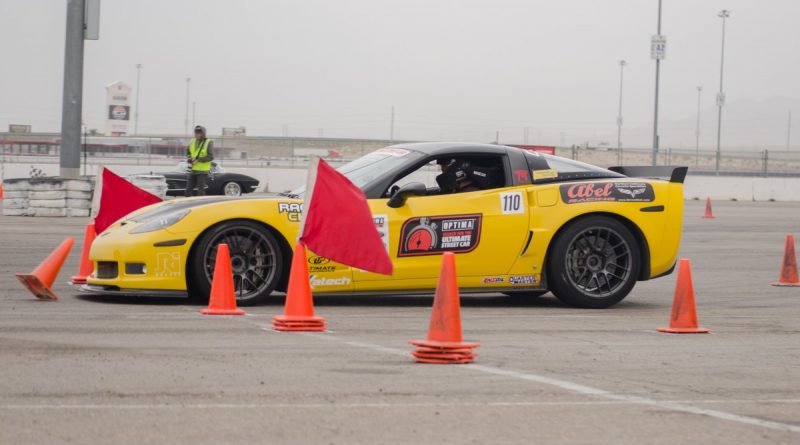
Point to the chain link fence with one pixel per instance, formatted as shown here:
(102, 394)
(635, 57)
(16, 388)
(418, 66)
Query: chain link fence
(294, 152)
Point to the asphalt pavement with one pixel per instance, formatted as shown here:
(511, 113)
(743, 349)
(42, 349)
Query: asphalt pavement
(99, 370)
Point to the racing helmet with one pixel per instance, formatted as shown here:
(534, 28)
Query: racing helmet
(455, 173)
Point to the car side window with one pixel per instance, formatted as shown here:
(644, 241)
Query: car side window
(474, 173)
(425, 174)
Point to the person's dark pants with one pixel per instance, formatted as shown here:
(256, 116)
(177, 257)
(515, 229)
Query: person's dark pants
(198, 180)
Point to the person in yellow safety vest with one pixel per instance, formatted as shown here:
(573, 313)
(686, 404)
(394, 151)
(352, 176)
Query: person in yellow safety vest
(199, 157)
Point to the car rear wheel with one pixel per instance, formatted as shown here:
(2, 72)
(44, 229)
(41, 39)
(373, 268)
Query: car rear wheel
(232, 189)
(256, 261)
(594, 263)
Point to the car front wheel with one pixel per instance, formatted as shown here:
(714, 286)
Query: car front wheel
(232, 189)
(256, 261)
(594, 263)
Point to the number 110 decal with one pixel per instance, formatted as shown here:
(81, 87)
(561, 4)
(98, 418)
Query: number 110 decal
(511, 203)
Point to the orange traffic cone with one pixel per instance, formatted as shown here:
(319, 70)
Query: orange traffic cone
(709, 214)
(444, 344)
(86, 267)
(223, 296)
(42, 278)
(788, 276)
(298, 311)
(684, 314)
(1, 191)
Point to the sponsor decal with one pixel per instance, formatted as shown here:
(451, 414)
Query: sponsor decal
(430, 235)
(544, 174)
(322, 281)
(521, 176)
(293, 210)
(607, 192)
(493, 280)
(320, 264)
(511, 203)
(318, 260)
(382, 226)
(396, 152)
(523, 280)
(168, 264)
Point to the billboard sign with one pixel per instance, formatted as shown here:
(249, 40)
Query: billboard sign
(233, 131)
(119, 110)
(19, 128)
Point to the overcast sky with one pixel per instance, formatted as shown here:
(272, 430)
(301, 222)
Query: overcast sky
(456, 70)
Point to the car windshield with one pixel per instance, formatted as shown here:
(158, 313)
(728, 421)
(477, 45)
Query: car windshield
(369, 167)
(182, 167)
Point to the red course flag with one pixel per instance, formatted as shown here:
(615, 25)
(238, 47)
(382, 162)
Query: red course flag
(119, 197)
(337, 223)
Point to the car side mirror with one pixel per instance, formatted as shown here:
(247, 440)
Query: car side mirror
(398, 199)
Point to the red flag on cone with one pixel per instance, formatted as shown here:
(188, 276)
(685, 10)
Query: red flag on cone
(337, 223)
(119, 197)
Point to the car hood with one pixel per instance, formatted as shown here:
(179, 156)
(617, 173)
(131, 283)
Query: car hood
(175, 205)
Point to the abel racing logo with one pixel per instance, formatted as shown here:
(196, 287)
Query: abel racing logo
(320, 281)
(607, 192)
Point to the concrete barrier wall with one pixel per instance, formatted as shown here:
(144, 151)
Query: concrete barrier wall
(743, 188)
(278, 179)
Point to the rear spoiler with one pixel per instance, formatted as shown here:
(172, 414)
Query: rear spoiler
(675, 174)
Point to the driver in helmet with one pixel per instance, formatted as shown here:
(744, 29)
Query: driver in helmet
(455, 176)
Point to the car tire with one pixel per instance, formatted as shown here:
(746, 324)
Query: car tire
(593, 263)
(232, 188)
(256, 261)
(525, 294)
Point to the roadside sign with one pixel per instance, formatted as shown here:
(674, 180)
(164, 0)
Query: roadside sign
(19, 128)
(91, 20)
(720, 99)
(658, 47)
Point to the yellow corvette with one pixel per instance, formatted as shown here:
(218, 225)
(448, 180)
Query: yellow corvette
(520, 223)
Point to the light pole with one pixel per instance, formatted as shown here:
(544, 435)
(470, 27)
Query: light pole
(697, 128)
(186, 116)
(724, 14)
(622, 64)
(72, 103)
(789, 131)
(657, 51)
(136, 114)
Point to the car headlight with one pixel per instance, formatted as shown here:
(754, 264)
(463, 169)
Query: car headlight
(161, 222)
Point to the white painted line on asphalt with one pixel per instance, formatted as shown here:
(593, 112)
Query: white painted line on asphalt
(570, 386)
(91, 406)
(588, 390)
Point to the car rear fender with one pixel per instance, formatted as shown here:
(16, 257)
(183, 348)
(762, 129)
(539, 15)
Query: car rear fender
(644, 247)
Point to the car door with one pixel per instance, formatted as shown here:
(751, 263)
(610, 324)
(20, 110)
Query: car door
(486, 229)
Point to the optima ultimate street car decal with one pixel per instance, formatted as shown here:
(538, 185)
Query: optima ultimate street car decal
(430, 235)
(607, 191)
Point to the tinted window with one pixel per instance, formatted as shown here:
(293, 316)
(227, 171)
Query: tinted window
(566, 168)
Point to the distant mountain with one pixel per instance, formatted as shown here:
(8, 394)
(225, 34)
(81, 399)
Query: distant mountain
(746, 125)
